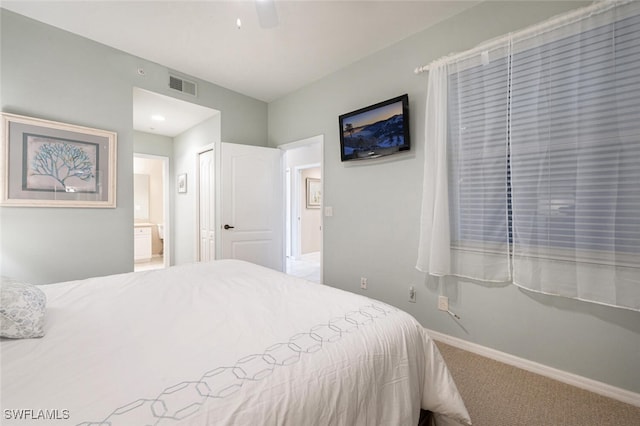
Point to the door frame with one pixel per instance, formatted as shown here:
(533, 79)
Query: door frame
(296, 173)
(166, 205)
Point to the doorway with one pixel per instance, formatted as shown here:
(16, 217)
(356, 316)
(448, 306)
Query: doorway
(175, 129)
(151, 212)
(304, 206)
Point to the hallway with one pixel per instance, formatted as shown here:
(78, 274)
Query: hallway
(308, 267)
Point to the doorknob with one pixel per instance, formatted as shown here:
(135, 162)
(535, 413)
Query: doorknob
(228, 227)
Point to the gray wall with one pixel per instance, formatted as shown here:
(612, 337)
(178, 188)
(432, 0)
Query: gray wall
(376, 206)
(148, 143)
(52, 74)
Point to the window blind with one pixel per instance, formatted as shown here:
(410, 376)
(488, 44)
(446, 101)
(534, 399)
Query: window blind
(575, 157)
(576, 141)
(477, 150)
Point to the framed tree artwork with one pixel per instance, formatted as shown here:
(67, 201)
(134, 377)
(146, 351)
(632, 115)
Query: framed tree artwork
(51, 164)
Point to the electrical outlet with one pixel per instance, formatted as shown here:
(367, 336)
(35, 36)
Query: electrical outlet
(443, 303)
(363, 283)
(412, 294)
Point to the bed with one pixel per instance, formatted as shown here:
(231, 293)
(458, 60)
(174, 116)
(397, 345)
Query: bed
(222, 343)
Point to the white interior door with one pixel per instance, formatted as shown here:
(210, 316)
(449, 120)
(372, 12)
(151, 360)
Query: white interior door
(206, 207)
(252, 205)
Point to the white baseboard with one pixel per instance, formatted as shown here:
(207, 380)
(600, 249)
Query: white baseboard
(591, 385)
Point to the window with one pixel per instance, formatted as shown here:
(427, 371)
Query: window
(477, 148)
(543, 158)
(575, 144)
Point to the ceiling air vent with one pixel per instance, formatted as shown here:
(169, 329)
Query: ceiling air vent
(181, 85)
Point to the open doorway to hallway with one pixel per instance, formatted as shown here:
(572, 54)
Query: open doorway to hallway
(172, 129)
(304, 189)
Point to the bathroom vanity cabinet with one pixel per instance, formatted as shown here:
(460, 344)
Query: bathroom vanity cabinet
(142, 243)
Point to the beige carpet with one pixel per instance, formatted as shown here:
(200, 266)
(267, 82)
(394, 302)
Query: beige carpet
(498, 394)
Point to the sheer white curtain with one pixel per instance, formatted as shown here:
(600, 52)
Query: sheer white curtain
(575, 157)
(433, 254)
(464, 228)
(532, 159)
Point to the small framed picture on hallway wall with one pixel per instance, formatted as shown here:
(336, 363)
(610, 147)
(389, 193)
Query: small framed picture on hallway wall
(182, 183)
(314, 193)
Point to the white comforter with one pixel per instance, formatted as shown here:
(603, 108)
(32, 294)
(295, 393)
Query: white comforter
(222, 343)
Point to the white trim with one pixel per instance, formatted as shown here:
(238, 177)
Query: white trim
(581, 382)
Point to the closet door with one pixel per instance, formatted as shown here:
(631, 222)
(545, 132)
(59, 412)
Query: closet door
(206, 213)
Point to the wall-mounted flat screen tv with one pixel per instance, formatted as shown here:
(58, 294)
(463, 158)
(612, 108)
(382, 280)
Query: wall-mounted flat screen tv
(375, 131)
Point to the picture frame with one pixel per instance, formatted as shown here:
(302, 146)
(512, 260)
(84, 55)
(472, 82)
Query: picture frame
(182, 183)
(46, 163)
(314, 193)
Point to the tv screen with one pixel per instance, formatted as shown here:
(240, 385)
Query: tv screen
(375, 131)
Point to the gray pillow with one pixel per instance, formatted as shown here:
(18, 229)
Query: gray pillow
(22, 308)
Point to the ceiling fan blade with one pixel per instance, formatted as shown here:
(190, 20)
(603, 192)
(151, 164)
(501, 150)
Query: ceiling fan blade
(267, 15)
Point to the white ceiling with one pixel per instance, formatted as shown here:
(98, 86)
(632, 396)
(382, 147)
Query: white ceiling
(311, 40)
(178, 115)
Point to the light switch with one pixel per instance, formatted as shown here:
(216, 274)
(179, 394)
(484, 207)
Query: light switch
(328, 211)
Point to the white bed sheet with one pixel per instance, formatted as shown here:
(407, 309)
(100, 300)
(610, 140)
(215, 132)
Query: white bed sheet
(222, 343)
